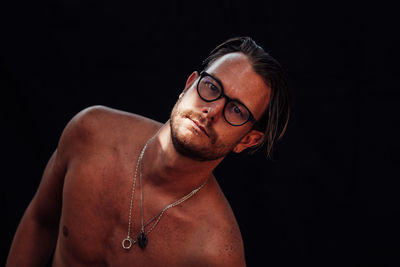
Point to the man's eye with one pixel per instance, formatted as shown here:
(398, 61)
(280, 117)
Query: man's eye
(237, 110)
(212, 87)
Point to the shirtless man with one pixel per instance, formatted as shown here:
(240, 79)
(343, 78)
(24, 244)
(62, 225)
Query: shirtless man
(113, 171)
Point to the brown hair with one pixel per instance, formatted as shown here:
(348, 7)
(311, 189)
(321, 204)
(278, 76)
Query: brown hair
(275, 119)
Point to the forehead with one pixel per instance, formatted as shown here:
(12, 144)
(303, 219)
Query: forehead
(240, 81)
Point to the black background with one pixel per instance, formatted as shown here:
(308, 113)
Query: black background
(329, 197)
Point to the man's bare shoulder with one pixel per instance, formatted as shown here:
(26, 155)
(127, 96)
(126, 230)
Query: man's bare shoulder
(100, 125)
(220, 236)
(97, 121)
(101, 117)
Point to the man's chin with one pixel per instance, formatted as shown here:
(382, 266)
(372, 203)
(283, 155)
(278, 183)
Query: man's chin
(191, 144)
(188, 151)
(191, 151)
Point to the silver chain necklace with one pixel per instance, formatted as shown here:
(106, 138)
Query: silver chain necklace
(142, 238)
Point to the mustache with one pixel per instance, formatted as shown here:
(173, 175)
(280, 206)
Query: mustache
(203, 121)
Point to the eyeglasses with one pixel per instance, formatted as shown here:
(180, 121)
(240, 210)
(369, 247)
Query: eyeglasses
(210, 89)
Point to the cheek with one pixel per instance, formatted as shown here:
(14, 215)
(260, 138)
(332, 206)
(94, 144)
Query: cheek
(225, 132)
(231, 134)
(189, 99)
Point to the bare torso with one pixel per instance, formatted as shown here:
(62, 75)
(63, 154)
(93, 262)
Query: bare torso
(96, 196)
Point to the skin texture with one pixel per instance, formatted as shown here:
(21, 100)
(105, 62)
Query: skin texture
(82, 204)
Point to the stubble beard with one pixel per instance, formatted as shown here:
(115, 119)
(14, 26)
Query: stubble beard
(212, 150)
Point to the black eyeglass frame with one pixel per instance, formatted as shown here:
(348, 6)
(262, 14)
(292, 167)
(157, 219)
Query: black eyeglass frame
(228, 99)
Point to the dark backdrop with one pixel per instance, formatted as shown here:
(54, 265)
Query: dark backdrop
(329, 197)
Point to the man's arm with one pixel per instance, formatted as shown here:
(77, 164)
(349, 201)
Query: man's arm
(36, 235)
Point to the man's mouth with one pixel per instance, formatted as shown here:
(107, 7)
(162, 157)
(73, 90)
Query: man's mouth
(201, 127)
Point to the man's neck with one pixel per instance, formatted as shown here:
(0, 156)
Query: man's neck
(165, 167)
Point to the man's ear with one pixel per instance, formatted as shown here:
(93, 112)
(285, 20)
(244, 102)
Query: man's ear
(251, 139)
(189, 82)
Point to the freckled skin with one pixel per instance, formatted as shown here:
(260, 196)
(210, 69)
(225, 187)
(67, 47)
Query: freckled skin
(81, 208)
(65, 231)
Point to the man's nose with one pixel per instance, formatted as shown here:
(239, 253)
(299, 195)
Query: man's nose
(213, 109)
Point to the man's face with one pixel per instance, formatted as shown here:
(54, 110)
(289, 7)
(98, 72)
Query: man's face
(198, 128)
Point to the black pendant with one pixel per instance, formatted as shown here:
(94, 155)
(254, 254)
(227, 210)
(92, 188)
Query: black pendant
(142, 240)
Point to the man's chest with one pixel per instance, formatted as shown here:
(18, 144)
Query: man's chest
(98, 215)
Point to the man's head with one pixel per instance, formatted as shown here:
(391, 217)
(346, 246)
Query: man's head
(239, 101)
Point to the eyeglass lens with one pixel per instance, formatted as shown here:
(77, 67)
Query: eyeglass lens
(234, 112)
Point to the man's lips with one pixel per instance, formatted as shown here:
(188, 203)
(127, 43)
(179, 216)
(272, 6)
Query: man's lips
(201, 127)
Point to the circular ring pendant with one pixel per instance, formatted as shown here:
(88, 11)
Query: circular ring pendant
(127, 243)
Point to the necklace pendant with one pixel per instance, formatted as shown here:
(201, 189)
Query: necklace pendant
(128, 242)
(142, 240)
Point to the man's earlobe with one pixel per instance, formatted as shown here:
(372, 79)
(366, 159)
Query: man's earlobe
(251, 139)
